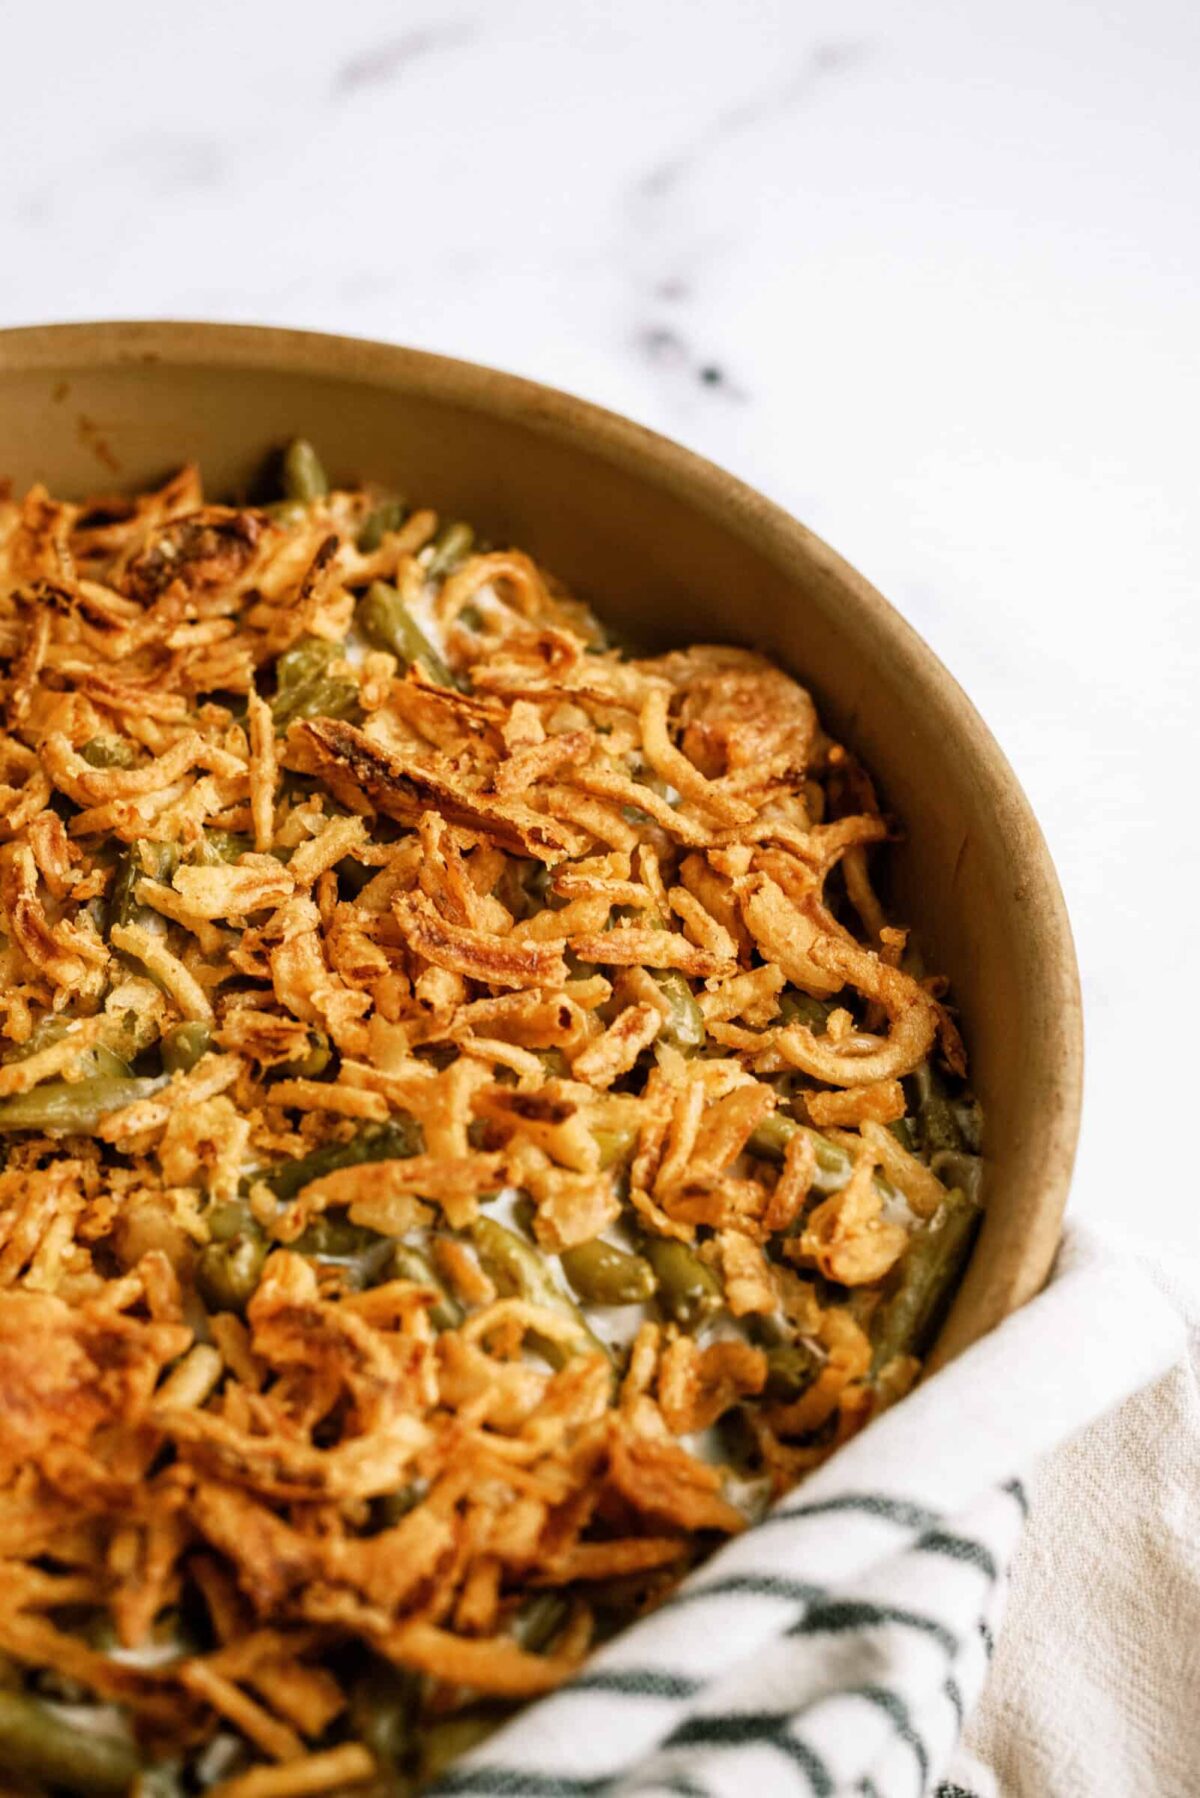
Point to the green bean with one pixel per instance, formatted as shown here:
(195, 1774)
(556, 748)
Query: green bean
(452, 545)
(50, 1030)
(329, 1238)
(955, 1168)
(108, 752)
(770, 1140)
(46, 1032)
(600, 1274)
(231, 1218)
(519, 1271)
(321, 699)
(305, 689)
(313, 1062)
(902, 1130)
(218, 846)
(375, 526)
(227, 1272)
(307, 658)
(444, 1739)
(684, 1027)
(382, 1705)
(539, 1620)
(36, 1743)
(396, 1140)
(303, 477)
(689, 1292)
(184, 1044)
(616, 1144)
(907, 1320)
(801, 1008)
(791, 1369)
(385, 620)
(936, 1122)
(524, 1214)
(405, 1261)
(391, 1508)
(74, 1107)
(141, 861)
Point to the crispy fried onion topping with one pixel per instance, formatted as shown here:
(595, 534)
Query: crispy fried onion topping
(446, 1067)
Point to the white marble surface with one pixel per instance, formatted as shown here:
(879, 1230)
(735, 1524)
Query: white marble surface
(926, 273)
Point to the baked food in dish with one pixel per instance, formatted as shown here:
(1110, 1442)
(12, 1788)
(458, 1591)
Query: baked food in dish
(473, 1135)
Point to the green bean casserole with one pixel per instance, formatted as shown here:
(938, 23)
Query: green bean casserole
(471, 1136)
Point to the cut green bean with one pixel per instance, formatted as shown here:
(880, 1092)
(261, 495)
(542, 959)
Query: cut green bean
(396, 1140)
(405, 1261)
(524, 1214)
(304, 688)
(445, 1739)
(519, 1271)
(217, 846)
(770, 1140)
(313, 1062)
(108, 752)
(540, 1618)
(329, 1238)
(954, 1167)
(689, 1292)
(184, 1044)
(791, 1369)
(74, 1107)
(227, 1273)
(684, 1026)
(936, 1122)
(599, 1274)
(45, 1033)
(375, 526)
(36, 1743)
(385, 620)
(902, 1130)
(615, 1143)
(141, 861)
(391, 1508)
(231, 1219)
(907, 1320)
(452, 545)
(382, 1712)
(796, 1007)
(304, 479)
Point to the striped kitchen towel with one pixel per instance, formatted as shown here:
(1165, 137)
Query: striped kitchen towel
(839, 1645)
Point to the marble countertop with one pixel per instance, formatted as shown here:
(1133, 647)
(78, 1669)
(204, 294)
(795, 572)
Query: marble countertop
(927, 274)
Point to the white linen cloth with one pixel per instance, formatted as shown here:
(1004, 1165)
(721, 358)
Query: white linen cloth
(839, 1646)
